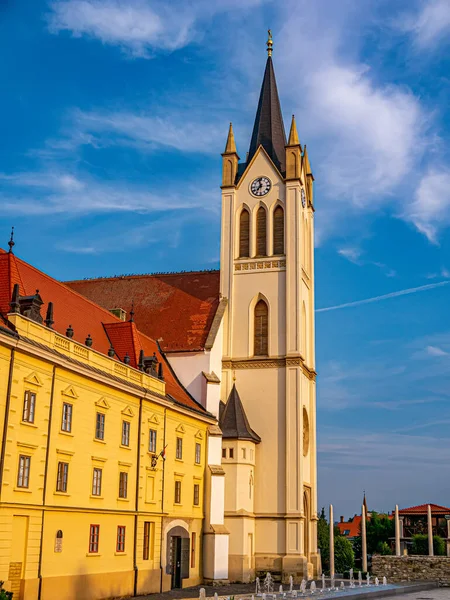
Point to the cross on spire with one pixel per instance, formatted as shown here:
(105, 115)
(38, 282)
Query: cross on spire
(11, 242)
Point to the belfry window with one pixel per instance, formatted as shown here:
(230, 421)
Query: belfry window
(261, 338)
(278, 230)
(261, 232)
(244, 234)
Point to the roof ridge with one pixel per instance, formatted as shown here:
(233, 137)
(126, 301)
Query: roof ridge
(69, 289)
(137, 275)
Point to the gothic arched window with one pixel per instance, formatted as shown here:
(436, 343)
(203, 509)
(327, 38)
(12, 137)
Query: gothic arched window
(278, 230)
(261, 330)
(244, 234)
(261, 232)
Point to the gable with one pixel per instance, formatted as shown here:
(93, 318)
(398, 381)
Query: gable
(33, 379)
(70, 392)
(261, 165)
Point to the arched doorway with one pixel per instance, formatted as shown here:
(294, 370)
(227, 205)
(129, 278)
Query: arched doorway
(177, 559)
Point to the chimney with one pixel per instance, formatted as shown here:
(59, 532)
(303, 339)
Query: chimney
(342, 519)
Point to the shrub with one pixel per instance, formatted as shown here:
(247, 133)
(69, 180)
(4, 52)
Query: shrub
(420, 545)
(384, 549)
(4, 595)
(344, 557)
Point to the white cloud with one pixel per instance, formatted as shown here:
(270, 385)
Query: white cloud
(435, 351)
(145, 131)
(139, 27)
(430, 211)
(351, 254)
(429, 25)
(61, 193)
(365, 134)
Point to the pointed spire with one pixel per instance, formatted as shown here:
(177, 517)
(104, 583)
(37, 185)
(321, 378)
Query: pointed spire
(160, 371)
(11, 242)
(306, 162)
(293, 134)
(141, 361)
(268, 130)
(230, 147)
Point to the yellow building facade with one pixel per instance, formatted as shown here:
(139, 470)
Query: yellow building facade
(88, 506)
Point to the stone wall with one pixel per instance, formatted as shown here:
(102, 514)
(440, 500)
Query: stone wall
(412, 568)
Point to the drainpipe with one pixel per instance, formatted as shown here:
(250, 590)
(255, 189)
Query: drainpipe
(6, 419)
(162, 504)
(136, 508)
(47, 452)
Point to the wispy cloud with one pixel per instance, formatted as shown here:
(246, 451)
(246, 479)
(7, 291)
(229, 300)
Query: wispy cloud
(430, 211)
(355, 256)
(61, 193)
(144, 131)
(435, 351)
(429, 25)
(138, 27)
(406, 292)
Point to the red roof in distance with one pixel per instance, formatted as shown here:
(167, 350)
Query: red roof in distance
(422, 509)
(177, 309)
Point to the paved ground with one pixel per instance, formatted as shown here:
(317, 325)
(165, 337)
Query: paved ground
(248, 589)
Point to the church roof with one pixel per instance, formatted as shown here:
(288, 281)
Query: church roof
(177, 309)
(268, 130)
(86, 318)
(233, 421)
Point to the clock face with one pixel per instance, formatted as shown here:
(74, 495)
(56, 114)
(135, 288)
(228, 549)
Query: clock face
(303, 198)
(260, 186)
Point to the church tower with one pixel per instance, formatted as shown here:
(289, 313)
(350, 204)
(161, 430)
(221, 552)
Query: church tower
(268, 367)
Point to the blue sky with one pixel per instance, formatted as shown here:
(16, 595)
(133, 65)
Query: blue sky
(114, 117)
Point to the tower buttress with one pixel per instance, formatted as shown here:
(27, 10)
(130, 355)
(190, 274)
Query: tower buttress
(293, 153)
(230, 161)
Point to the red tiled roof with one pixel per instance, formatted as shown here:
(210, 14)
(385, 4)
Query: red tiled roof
(85, 317)
(177, 307)
(422, 509)
(351, 526)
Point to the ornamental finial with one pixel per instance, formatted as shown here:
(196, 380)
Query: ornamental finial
(11, 242)
(269, 43)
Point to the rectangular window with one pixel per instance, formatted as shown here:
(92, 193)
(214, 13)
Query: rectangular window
(149, 528)
(120, 538)
(193, 550)
(196, 494)
(94, 534)
(224, 452)
(177, 492)
(100, 426)
(179, 449)
(231, 454)
(126, 425)
(97, 482)
(198, 454)
(244, 453)
(61, 480)
(152, 441)
(29, 404)
(23, 476)
(123, 484)
(66, 424)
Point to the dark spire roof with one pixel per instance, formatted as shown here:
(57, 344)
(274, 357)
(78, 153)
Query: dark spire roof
(268, 130)
(233, 420)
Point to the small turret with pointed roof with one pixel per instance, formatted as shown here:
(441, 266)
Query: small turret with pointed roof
(309, 177)
(293, 153)
(230, 160)
(233, 420)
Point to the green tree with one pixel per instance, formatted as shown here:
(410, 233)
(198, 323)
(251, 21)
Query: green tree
(344, 557)
(323, 540)
(379, 529)
(420, 545)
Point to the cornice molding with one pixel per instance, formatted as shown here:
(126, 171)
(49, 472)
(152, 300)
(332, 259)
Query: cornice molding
(269, 363)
